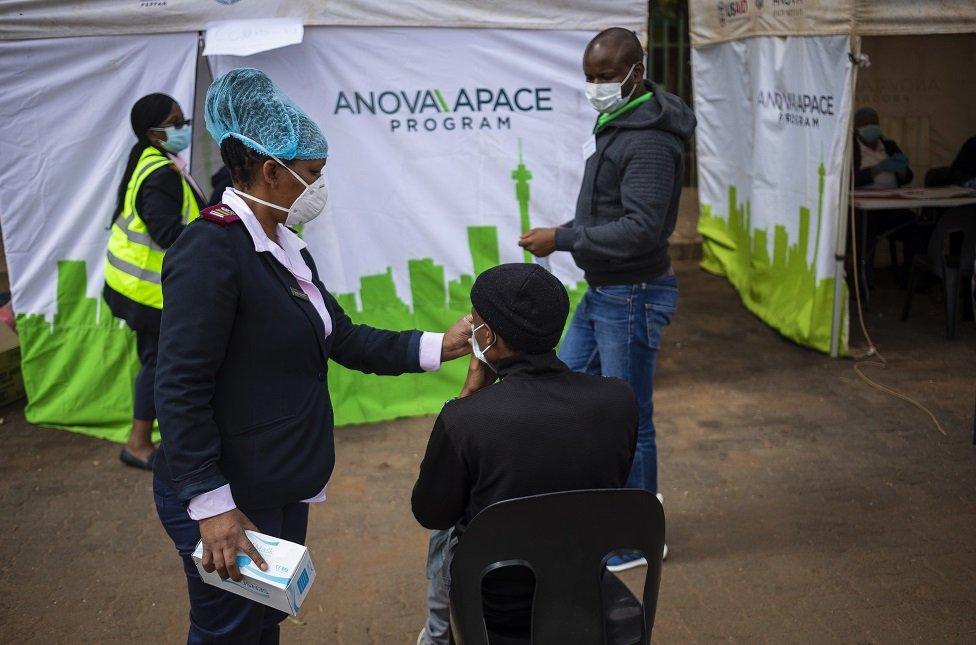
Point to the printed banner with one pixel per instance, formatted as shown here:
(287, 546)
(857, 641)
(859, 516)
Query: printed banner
(444, 145)
(66, 136)
(773, 120)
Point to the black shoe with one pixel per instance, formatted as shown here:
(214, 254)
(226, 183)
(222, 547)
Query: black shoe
(129, 459)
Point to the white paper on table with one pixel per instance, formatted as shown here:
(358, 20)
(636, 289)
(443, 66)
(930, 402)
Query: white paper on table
(246, 37)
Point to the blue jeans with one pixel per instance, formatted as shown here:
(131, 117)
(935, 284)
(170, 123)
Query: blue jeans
(616, 331)
(217, 616)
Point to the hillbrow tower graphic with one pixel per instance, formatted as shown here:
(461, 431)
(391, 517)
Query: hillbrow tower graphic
(522, 176)
(782, 288)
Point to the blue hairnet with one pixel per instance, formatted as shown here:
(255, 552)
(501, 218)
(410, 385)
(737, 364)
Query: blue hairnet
(245, 104)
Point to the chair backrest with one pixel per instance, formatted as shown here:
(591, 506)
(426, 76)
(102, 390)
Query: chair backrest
(565, 539)
(961, 222)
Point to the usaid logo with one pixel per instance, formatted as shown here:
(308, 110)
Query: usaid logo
(732, 10)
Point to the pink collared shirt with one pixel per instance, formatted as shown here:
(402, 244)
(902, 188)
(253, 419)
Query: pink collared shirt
(288, 251)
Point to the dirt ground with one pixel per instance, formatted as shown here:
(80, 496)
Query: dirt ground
(802, 506)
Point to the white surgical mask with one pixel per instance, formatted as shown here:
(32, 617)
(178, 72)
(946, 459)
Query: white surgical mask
(309, 204)
(607, 97)
(476, 349)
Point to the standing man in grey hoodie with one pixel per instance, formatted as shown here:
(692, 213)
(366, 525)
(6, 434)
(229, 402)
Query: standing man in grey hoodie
(626, 210)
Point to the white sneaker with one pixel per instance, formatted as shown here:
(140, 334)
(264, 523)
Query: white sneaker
(660, 498)
(622, 563)
(422, 637)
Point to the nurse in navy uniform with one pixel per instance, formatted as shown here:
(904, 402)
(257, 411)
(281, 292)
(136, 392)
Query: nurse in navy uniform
(241, 379)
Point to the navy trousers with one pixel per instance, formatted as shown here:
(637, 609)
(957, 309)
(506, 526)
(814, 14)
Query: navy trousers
(217, 616)
(144, 401)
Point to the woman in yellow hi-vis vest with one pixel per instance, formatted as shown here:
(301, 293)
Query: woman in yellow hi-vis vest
(156, 200)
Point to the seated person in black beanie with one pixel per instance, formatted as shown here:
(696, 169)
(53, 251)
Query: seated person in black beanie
(524, 424)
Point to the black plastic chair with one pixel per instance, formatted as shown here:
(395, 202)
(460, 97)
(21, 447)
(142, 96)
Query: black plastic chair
(565, 539)
(951, 254)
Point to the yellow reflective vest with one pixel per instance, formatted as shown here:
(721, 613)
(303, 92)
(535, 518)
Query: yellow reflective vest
(134, 263)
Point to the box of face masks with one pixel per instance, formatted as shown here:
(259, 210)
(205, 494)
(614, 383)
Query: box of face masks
(283, 586)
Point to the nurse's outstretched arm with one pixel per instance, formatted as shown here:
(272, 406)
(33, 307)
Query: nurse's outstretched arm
(378, 351)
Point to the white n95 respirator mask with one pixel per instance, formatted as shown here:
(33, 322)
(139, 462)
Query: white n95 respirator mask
(309, 204)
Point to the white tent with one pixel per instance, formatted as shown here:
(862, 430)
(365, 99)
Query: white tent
(775, 86)
(452, 126)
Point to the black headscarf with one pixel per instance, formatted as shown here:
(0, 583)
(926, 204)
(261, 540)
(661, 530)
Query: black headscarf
(148, 112)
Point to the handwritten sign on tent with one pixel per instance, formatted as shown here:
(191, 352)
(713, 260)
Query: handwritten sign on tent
(246, 37)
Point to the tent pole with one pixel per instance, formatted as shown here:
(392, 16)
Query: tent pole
(843, 210)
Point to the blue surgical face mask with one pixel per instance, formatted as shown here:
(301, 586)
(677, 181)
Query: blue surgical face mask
(869, 133)
(177, 139)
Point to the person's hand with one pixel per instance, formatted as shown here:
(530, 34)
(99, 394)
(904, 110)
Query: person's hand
(223, 536)
(457, 340)
(540, 242)
(479, 376)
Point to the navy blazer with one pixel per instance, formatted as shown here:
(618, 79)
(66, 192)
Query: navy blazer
(241, 379)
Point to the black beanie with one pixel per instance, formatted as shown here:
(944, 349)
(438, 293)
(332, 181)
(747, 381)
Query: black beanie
(524, 304)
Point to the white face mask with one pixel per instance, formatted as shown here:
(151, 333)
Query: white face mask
(607, 97)
(476, 348)
(309, 204)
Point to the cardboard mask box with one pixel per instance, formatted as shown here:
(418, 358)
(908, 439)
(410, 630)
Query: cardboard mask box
(283, 586)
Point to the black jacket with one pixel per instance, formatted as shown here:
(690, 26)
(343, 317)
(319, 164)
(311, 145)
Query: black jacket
(541, 429)
(241, 379)
(863, 176)
(628, 199)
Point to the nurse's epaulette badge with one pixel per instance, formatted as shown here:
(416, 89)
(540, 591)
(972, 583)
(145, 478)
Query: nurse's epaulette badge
(221, 214)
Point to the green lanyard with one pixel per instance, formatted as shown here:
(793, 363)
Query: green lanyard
(607, 118)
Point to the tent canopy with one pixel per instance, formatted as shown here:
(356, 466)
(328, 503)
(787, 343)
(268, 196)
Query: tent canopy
(724, 20)
(21, 19)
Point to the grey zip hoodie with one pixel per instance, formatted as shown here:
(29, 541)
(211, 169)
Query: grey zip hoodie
(628, 200)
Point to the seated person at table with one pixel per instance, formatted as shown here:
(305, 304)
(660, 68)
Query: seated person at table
(879, 164)
(540, 428)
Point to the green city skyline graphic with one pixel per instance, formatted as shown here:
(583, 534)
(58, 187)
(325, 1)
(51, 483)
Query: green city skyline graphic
(782, 288)
(429, 288)
(79, 367)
